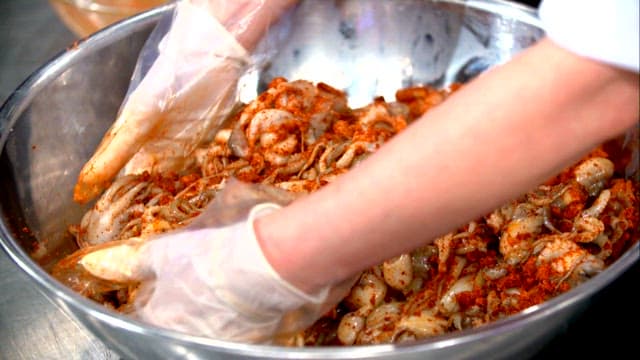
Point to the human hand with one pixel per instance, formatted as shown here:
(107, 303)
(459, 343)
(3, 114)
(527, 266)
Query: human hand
(211, 278)
(187, 92)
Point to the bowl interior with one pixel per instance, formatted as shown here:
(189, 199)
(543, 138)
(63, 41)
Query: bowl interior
(54, 122)
(51, 125)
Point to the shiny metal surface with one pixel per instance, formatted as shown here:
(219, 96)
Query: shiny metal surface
(31, 326)
(53, 122)
(373, 48)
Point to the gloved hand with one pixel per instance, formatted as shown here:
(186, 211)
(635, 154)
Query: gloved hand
(212, 279)
(185, 94)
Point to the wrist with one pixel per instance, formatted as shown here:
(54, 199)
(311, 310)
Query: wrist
(275, 256)
(282, 253)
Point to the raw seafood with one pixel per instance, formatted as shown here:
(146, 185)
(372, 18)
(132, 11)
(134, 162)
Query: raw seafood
(299, 136)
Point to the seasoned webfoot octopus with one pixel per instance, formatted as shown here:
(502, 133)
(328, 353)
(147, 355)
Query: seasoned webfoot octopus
(299, 137)
(547, 242)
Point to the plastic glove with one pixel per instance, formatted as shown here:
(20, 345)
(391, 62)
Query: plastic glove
(185, 94)
(212, 279)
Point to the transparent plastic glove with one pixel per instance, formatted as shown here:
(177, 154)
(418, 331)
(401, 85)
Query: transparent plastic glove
(212, 279)
(185, 93)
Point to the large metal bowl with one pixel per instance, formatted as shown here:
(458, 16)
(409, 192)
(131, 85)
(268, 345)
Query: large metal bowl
(52, 123)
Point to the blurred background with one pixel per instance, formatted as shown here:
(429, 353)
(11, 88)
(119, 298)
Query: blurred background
(85, 17)
(34, 31)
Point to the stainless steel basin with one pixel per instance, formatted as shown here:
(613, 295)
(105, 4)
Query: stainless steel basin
(52, 123)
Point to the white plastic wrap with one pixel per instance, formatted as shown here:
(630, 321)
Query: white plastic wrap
(211, 277)
(181, 96)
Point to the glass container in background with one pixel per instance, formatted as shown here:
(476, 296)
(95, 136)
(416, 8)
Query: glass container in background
(84, 17)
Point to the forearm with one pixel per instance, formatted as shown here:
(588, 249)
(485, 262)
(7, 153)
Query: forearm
(513, 129)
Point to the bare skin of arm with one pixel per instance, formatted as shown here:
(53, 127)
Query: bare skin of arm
(496, 138)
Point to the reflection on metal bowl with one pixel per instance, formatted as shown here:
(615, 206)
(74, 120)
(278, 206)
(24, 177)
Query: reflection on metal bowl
(54, 121)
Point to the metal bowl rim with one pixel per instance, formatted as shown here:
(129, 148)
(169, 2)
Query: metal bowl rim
(19, 100)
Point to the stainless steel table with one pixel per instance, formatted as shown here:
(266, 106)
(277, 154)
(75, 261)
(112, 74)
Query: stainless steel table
(31, 327)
